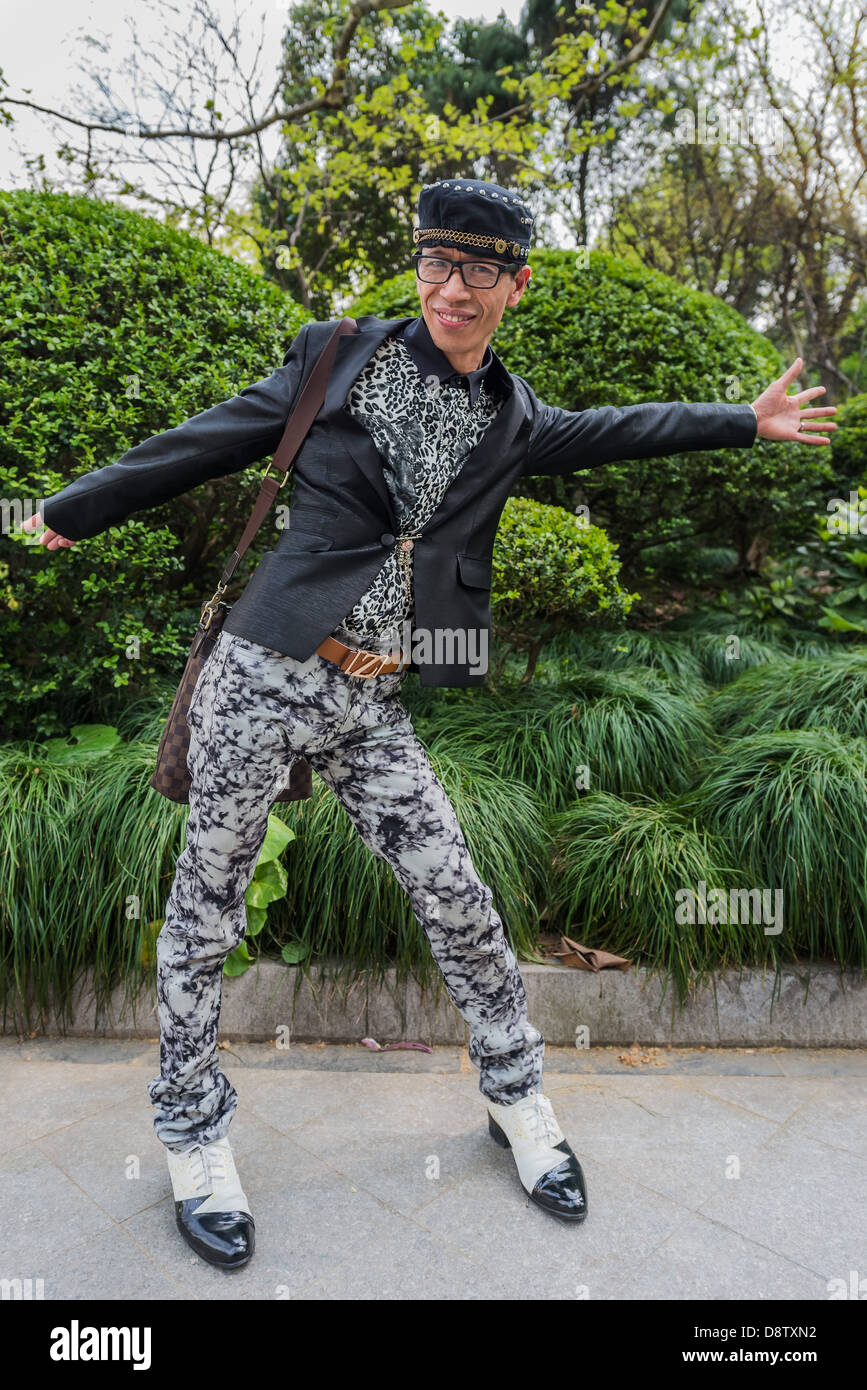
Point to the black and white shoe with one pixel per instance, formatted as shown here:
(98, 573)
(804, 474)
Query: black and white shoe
(549, 1171)
(211, 1210)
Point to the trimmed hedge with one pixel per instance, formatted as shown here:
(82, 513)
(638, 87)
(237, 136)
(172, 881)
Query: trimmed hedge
(115, 328)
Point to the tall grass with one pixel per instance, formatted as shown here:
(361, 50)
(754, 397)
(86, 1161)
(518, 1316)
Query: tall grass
(797, 694)
(784, 637)
(634, 736)
(617, 869)
(694, 657)
(628, 650)
(86, 862)
(89, 852)
(88, 849)
(793, 806)
(722, 661)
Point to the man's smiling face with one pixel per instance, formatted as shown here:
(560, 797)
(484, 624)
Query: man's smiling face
(461, 319)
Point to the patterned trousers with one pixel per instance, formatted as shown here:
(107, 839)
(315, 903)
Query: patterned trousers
(253, 712)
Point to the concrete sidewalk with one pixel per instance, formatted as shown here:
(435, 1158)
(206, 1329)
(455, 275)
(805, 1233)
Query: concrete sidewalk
(372, 1176)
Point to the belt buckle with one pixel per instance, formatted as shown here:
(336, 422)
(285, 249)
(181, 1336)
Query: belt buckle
(359, 664)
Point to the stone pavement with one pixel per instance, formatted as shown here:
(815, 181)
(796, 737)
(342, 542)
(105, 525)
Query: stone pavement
(372, 1175)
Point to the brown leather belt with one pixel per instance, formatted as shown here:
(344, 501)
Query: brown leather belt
(357, 662)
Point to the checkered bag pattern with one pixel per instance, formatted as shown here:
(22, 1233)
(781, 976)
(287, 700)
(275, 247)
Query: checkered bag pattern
(172, 776)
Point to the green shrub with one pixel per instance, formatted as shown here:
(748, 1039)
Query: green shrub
(551, 571)
(792, 805)
(596, 731)
(849, 442)
(619, 867)
(115, 328)
(797, 694)
(842, 550)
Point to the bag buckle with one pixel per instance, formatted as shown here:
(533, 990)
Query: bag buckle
(210, 607)
(283, 475)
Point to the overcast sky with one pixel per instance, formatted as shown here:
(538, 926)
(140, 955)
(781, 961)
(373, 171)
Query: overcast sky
(38, 49)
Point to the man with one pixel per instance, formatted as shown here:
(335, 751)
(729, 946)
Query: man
(398, 492)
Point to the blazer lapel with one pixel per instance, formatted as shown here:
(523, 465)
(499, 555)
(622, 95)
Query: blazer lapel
(354, 351)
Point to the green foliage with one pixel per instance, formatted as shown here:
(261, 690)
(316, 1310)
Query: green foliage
(761, 640)
(634, 652)
(551, 571)
(691, 655)
(116, 328)
(588, 803)
(797, 694)
(268, 885)
(88, 850)
(337, 205)
(81, 817)
(618, 868)
(845, 552)
(820, 586)
(849, 442)
(793, 805)
(421, 99)
(595, 730)
(612, 332)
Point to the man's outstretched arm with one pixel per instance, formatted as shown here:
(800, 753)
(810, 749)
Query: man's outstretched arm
(565, 441)
(225, 439)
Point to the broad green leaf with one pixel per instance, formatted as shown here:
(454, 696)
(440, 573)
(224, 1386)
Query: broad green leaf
(238, 960)
(277, 838)
(840, 624)
(295, 951)
(84, 741)
(256, 919)
(268, 883)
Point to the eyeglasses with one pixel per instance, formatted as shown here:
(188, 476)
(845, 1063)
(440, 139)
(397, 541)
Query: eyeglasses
(479, 275)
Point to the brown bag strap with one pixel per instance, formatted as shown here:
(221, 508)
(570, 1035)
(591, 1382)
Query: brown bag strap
(297, 426)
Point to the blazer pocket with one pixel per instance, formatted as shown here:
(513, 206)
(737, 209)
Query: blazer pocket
(301, 539)
(310, 526)
(475, 570)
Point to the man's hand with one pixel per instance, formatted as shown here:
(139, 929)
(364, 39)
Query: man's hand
(781, 416)
(49, 538)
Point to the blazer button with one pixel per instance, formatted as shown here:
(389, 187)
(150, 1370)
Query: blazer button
(386, 538)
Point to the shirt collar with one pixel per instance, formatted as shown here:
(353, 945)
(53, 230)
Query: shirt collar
(431, 361)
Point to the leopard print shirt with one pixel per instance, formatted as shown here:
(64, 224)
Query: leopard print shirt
(424, 430)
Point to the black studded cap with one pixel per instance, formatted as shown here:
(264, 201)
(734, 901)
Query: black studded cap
(471, 215)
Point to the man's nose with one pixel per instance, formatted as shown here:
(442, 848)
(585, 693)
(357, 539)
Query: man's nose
(454, 288)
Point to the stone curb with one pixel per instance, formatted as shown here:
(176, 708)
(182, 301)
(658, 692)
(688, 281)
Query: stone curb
(813, 1006)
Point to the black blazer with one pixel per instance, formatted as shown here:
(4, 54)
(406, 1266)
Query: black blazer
(342, 522)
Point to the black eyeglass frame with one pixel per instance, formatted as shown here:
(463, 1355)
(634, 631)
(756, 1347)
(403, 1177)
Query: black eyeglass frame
(511, 268)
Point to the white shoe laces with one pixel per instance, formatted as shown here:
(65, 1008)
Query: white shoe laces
(538, 1114)
(207, 1166)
